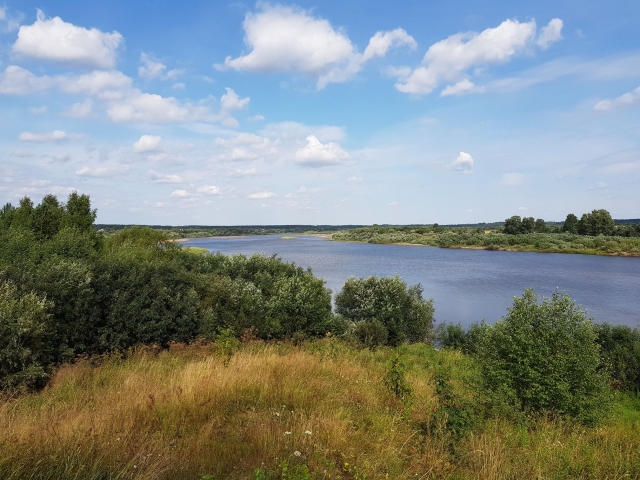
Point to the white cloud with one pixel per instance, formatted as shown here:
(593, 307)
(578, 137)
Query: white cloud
(61, 157)
(179, 86)
(55, 136)
(22, 154)
(381, 42)
(250, 172)
(7, 22)
(147, 143)
(290, 39)
(296, 130)
(511, 179)
(150, 68)
(80, 110)
(317, 154)
(106, 84)
(394, 204)
(156, 177)
(464, 163)
(550, 34)
(179, 194)
(622, 101)
(151, 108)
(209, 190)
(461, 88)
(58, 41)
(257, 118)
(354, 180)
(101, 172)
(600, 186)
(38, 110)
(19, 81)
(449, 59)
(261, 195)
(229, 103)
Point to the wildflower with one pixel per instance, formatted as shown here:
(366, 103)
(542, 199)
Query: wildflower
(308, 432)
(277, 414)
(297, 453)
(287, 433)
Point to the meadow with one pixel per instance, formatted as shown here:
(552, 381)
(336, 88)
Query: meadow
(320, 409)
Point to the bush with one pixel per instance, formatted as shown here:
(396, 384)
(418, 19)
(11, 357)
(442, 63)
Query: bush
(402, 311)
(370, 333)
(543, 359)
(620, 353)
(23, 346)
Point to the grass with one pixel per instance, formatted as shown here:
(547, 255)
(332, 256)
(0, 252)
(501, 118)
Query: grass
(491, 240)
(316, 410)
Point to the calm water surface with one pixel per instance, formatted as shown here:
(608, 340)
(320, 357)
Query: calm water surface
(467, 285)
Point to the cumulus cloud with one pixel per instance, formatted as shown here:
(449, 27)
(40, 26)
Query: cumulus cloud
(464, 163)
(290, 39)
(354, 180)
(229, 103)
(137, 106)
(179, 194)
(622, 101)
(381, 42)
(38, 110)
(461, 88)
(156, 177)
(101, 172)
(55, 136)
(80, 110)
(147, 143)
(317, 154)
(261, 195)
(550, 34)
(19, 81)
(511, 179)
(209, 190)
(150, 68)
(58, 41)
(450, 60)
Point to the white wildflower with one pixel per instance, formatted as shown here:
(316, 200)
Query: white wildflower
(308, 432)
(287, 433)
(297, 453)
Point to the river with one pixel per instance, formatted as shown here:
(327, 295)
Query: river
(466, 285)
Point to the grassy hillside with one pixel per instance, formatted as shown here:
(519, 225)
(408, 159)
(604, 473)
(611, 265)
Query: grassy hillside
(317, 410)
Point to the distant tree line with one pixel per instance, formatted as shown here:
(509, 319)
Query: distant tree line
(598, 222)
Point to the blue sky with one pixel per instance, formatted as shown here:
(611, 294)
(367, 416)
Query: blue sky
(322, 113)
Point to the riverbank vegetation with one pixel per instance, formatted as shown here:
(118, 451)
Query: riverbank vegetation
(596, 233)
(129, 356)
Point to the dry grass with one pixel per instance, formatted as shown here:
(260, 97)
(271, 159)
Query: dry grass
(183, 413)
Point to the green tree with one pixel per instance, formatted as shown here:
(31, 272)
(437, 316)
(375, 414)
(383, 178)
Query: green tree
(598, 222)
(528, 225)
(47, 217)
(570, 224)
(79, 212)
(541, 226)
(542, 358)
(620, 353)
(401, 309)
(513, 225)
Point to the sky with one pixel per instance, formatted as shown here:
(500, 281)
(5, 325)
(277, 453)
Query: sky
(333, 112)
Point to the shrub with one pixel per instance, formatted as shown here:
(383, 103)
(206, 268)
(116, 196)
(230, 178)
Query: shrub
(370, 333)
(542, 358)
(620, 353)
(23, 347)
(401, 309)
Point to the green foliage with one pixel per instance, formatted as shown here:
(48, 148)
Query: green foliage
(370, 333)
(598, 222)
(401, 309)
(570, 224)
(454, 336)
(395, 379)
(542, 358)
(23, 330)
(620, 353)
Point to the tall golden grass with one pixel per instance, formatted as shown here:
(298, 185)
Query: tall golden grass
(188, 412)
